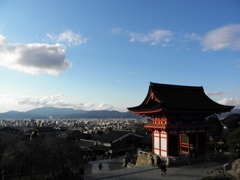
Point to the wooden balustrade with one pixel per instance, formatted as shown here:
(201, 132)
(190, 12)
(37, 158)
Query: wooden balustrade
(174, 126)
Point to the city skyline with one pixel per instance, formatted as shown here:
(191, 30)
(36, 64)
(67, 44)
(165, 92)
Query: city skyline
(102, 55)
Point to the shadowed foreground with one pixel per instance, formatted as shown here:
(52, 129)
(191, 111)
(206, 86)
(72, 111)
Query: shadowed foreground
(189, 172)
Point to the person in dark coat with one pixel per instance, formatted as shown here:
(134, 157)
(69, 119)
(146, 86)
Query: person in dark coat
(100, 166)
(152, 161)
(163, 168)
(159, 162)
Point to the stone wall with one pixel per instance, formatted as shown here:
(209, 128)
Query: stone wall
(144, 158)
(232, 171)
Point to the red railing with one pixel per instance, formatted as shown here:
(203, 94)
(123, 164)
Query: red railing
(174, 126)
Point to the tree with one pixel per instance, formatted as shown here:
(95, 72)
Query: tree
(216, 127)
(232, 139)
(232, 121)
(215, 133)
(42, 156)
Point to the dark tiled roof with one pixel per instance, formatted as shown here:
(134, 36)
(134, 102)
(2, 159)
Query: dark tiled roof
(85, 143)
(73, 134)
(45, 129)
(9, 129)
(112, 135)
(178, 98)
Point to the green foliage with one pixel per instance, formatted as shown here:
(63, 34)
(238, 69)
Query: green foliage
(217, 127)
(41, 155)
(232, 121)
(233, 138)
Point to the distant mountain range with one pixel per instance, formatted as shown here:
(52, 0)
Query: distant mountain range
(233, 111)
(52, 112)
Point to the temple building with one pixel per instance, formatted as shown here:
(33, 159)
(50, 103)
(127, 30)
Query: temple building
(178, 115)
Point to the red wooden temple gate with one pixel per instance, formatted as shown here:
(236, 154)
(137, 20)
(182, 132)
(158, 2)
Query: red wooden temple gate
(178, 116)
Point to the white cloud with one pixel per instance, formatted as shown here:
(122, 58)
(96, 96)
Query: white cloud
(84, 106)
(153, 38)
(3, 42)
(68, 38)
(9, 102)
(33, 58)
(226, 37)
(216, 93)
(219, 93)
(92, 106)
(58, 101)
(55, 100)
(230, 101)
(104, 106)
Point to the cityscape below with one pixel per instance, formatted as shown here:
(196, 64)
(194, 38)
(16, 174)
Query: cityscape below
(75, 148)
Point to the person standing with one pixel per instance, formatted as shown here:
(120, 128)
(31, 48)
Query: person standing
(163, 168)
(152, 161)
(100, 166)
(159, 162)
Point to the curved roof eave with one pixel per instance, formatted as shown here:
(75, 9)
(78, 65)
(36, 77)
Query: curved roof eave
(177, 98)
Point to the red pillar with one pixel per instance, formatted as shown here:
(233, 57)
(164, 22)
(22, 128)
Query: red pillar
(153, 141)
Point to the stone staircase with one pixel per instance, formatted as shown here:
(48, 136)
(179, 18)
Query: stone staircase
(112, 169)
(106, 173)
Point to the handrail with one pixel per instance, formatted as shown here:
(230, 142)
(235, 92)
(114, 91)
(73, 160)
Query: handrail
(174, 126)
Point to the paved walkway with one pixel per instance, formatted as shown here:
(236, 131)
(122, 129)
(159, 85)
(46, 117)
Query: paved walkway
(113, 170)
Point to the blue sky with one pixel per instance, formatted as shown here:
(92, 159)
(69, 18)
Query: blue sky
(96, 55)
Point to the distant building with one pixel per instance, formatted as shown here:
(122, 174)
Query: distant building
(46, 131)
(118, 141)
(73, 135)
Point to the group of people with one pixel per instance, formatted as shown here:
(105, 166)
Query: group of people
(160, 164)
